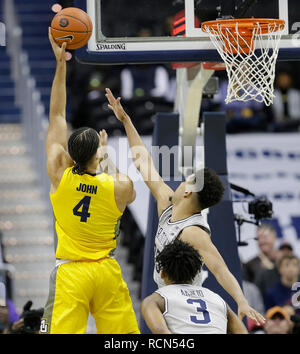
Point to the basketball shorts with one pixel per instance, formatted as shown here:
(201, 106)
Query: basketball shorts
(78, 288)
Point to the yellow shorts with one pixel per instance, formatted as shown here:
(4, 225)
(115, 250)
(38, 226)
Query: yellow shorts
(78, 288)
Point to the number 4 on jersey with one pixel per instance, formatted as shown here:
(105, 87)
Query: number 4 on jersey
(84, 213)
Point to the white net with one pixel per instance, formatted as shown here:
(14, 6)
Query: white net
(250, 59)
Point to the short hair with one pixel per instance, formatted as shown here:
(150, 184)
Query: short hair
(180, 262)
(82, 146)
(267, 226)
(289, 257)
(213, 188)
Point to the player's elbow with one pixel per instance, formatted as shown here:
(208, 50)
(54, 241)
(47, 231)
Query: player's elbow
(131, 192)
(144, 304)
(127, 187)
(147, 310)
(133, 196)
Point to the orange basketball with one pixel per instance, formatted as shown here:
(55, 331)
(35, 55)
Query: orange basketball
(71, 25)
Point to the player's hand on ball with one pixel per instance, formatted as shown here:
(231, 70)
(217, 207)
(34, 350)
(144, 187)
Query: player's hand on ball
(59, 52)
(115, 105)
(246, 310)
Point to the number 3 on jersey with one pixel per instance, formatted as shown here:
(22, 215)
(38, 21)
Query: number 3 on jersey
(84, 213)
(206, 318)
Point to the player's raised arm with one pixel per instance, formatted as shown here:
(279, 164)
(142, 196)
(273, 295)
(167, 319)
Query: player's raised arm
(141, 156)
(56, 142)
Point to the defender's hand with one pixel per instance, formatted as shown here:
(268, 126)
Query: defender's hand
(103, 137)
(102, 149)
(246, 310)
(115, 105)
(59, 52)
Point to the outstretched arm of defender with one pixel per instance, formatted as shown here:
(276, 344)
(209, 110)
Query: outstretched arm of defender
(141, 156)
(56, 142)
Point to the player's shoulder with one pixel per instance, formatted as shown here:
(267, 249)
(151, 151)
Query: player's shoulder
(193, 233)
(121, 177)
(124, 190)
(122, 182)
(213, 297)
(166, 213)
(209, 292)
(169, 293)
(58, 161)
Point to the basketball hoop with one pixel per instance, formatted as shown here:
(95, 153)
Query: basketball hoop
(249, 48)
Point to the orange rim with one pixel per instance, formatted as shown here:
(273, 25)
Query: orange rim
(248, 24)
(246, 27)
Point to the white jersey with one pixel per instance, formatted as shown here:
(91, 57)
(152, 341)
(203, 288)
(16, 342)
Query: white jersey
(193, 310)
(168, 231)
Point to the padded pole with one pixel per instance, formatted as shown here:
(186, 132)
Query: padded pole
(165, 133)
(221, 217)
(190, 85)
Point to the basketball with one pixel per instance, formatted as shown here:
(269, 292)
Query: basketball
(71, 25)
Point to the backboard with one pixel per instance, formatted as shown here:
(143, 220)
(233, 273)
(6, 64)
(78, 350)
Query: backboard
(140, 31)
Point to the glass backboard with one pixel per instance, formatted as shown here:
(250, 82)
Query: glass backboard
(142, 31)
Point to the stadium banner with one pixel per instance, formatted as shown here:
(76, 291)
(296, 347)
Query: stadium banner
(267, 165)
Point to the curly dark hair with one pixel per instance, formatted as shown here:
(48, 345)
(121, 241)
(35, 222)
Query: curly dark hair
(180, 262)
(213, 188)
(82, 146)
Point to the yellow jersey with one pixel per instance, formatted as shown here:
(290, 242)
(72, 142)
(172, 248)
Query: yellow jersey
(86, 216)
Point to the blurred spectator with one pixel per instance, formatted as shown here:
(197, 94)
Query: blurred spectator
(9, 319)
(4, 319)
(12, 312)
(284, 249)
(267, 278)
(28, 322)
(8, 313)
(144, 80)
(295, 320)
(286, 106)
(267, 237)
(277, 321)
(281, 293)
(254, 296)
(242, 116)
(146, 90)
(86, 89)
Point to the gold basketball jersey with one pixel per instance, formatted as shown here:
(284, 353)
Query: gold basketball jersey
(86, 214)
